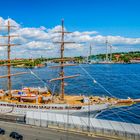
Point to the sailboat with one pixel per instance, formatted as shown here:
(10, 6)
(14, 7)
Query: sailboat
(19, 102)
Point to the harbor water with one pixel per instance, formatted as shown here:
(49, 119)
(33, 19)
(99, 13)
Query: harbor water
(117, 80)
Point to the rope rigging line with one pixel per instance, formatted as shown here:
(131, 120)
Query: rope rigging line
(116, 113)
(96, 82)
(45, 84)
(37, 76)
(56, 84)
(128, 110)
(133, 114)
(123, 121)
(122, 110)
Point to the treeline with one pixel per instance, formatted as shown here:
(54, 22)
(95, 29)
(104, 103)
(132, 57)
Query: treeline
(119, 56)
(122, 57)
(24, 62)
(115, 57)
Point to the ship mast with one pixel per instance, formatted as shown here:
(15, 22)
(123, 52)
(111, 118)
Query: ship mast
(8, 61)
(62, 62)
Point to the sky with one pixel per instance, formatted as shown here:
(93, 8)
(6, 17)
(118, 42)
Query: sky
(91, 21)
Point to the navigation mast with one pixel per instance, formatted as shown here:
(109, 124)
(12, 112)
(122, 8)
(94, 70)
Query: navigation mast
(62, 61)
(110, 52)
(8, 64)
(90, 49)
(106, 50)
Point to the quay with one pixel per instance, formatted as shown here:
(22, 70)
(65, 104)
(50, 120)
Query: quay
(49, 126)
(91, 126)
(38, 133)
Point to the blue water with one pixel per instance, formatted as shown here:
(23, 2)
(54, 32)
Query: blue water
(121, 80)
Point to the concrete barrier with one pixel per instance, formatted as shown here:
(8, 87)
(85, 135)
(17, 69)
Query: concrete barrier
(122, 130)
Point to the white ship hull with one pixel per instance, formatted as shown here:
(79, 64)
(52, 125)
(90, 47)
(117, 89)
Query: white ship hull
(21, 109)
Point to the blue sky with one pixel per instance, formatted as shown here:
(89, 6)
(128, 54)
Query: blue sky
(109, 17)
(91, 21)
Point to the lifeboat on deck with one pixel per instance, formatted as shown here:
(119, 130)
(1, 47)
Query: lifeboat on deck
(28, 96)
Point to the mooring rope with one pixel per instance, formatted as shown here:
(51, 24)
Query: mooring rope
(37, 77)
(122, 110)
(45, 84)
(123, 121)
(96, 82)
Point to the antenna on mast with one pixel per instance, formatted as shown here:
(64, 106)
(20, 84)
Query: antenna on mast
(62, 60)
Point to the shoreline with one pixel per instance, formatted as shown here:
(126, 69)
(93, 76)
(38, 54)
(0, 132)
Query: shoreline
(112, 63)
(81, 63)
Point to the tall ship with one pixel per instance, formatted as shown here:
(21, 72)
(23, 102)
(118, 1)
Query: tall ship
(18, 102)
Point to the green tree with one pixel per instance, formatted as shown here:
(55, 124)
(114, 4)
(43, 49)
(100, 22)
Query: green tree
(126, 59)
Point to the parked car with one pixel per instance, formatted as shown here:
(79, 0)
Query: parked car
(16, 136)
(2, 131)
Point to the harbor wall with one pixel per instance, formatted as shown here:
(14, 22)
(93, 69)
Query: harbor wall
(12, 118)
(91, 126)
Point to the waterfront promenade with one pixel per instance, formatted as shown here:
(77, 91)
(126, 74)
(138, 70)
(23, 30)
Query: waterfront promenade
(39, 133)
(92, 126)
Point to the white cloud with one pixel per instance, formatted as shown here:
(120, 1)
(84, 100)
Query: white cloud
(116, 40)
(55, 29)
(32, 33)
(39, 41)
(4, 22)
(38, 46)
(77, 33)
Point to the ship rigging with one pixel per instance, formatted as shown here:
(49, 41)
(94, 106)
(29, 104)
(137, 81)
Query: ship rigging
(32, 99)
